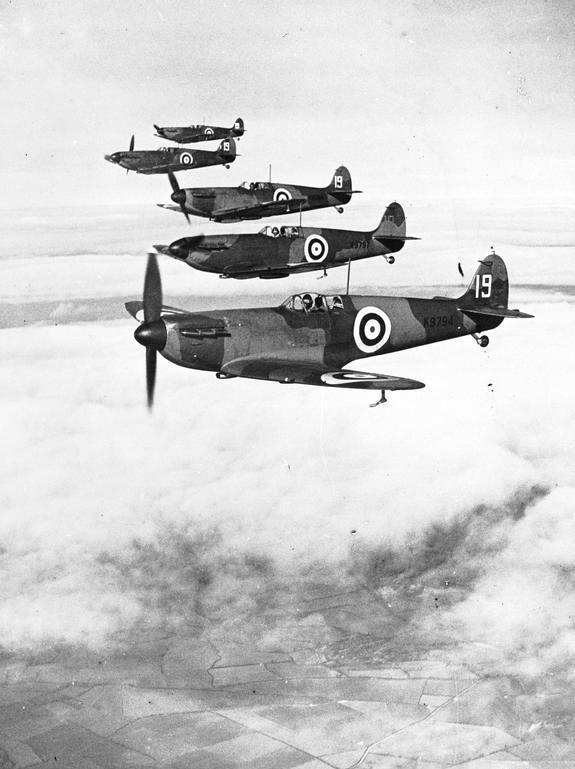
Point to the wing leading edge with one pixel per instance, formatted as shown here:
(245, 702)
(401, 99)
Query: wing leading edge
(288, 371)
(273, 206)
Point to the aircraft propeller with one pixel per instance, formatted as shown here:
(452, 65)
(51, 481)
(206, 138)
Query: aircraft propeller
(152, 332)
(178, 195)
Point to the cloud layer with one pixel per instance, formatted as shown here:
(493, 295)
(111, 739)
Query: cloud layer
(461, 492)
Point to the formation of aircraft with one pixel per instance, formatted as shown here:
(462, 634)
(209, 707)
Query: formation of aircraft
(256, 200)
(310, 338)
(169, 159)
(200, 133)
(279, 251)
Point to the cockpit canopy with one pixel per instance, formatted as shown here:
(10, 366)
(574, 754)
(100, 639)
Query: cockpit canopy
(273, 231)
(255, 185)
(311, 302)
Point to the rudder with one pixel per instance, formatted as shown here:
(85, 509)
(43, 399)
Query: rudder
(392, 223)
(238, 127)
(227, 149)
(341, 181)
(489, 286)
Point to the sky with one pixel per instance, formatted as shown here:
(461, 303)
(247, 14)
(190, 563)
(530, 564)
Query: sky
(422, 100)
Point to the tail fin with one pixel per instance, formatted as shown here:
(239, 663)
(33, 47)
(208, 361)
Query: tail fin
(488, 292)
(227, 150)
(390, 232)
(489, 287)
(392, 224)
(238, 127)
(341, 181)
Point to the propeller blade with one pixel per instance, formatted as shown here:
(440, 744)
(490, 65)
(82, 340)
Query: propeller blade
(173, 181)
(151, 360)
(178, 195)
(157, 127)
(132, 143)
(152, 291)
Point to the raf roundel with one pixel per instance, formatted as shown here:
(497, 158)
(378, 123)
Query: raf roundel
(281, 194)
(208, 131)
(315, 248)
(186, 159)
(371, 329)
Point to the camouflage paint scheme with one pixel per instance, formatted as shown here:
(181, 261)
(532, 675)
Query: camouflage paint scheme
(276, 252)
(200, 133)
(291, 345)
(173, 158)
(258, 199)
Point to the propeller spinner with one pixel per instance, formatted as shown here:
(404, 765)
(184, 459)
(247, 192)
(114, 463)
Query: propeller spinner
(152, 332)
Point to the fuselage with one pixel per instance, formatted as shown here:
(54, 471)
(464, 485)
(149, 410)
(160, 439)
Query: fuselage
(337, 330)
(167, 159)
(197, 133)
(207, 201)
(277, 251)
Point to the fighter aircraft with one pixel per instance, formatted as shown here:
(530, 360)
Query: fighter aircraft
(200, 133)
(276, 252)
(255, 200)
(168, 159)
(310, 338)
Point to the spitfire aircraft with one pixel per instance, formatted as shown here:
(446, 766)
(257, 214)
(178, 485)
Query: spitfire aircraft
(310, 338)
(200, 133)
(276, 252)
(258, 199)
(168, 159)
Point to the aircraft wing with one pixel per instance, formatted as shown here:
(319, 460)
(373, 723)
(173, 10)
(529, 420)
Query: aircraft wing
(136, 310)
(249, 270)
(288, 371)
(273, 207)
(169, 206)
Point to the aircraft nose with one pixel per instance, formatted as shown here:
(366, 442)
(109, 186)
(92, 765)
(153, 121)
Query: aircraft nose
(152, 334)
(179, 197)
(178, 251)
(110, 158)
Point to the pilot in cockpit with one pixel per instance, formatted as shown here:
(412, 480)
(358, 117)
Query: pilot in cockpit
(307, 301)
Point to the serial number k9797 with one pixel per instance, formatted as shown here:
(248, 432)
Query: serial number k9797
(438, 321)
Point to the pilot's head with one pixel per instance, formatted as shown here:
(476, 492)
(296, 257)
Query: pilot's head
(307, 302)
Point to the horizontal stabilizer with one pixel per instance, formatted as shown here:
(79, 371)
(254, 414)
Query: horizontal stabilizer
(382, 238)
(495, 312)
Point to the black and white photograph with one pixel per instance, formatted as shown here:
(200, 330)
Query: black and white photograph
(287, 303)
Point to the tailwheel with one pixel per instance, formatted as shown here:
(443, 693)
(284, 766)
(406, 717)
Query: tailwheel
(383, 399)
(482, 341)
(339, 209)
(390, 259)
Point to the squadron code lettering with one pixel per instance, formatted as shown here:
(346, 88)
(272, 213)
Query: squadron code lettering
(434, 321)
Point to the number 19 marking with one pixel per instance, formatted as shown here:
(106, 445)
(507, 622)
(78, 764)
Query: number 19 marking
(483, 286)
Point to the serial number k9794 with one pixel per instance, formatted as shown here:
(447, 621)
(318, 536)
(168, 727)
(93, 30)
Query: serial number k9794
(438, 321)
